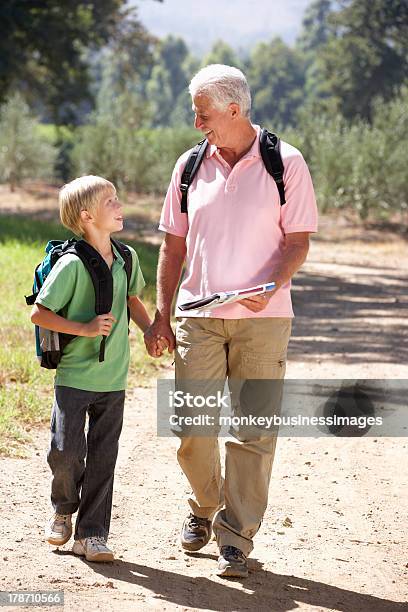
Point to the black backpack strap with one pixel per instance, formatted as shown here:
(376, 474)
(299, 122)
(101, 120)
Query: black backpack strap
(191, 168)
(126, 255)
(271, 156)
(101, 279)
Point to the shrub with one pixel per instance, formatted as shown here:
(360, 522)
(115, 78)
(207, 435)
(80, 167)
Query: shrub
(24, 152)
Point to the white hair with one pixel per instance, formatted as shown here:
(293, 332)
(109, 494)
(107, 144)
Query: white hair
(223, 85)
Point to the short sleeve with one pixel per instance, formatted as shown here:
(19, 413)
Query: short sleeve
(172, 220)
(137, 281)
(299, 214)
(59, 286)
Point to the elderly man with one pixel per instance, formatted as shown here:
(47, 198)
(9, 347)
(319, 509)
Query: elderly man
(235, 234)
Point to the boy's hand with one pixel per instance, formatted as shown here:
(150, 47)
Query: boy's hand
(161, 345)
(157, 338)
(101, 325)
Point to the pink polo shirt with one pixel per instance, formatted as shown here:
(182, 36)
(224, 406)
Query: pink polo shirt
(235, 226)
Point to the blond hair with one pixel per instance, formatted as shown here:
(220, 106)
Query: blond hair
(82, 193)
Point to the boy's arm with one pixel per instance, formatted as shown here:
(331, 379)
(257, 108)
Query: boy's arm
(140, 316)
(138, 313)
(101, 325)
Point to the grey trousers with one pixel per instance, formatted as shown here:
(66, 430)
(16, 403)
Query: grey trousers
(82, 464)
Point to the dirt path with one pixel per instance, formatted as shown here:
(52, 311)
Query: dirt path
(346, 499)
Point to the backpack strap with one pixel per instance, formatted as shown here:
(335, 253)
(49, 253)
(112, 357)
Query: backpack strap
(190, 170)
(271, 156)
(270, 153)
(126, 255)
(30, 299)
(101, 279)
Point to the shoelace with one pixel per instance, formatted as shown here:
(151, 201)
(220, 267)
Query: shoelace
(232, 551)
(195, 522)
(98, 540)
(61, 518)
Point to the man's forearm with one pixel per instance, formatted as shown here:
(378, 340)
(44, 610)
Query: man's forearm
(168, 275)
(293, 258)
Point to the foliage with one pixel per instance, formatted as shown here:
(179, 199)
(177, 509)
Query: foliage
(43, 48)
(166, 88)
(276, 78)
(24, 153)
(222, 53)
(134, 159)
(359, 165)
(366, 54)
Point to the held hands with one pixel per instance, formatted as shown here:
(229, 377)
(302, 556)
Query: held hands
(101, 325)
(161, 345)
(158, 337)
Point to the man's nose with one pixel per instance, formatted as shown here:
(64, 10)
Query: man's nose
(197, 123)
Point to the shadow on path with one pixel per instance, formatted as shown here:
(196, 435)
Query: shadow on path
(270, 591)
(362, 319)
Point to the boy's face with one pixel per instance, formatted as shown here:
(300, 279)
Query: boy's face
(107, 216)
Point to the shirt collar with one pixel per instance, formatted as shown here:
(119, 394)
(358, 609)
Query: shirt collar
(118, 257)
(254, 151)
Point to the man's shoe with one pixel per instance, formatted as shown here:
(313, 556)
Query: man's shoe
(59, 529)
(93, 549)
(196, 533)
(232, 563)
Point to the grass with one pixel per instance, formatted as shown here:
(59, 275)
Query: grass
(25, 387)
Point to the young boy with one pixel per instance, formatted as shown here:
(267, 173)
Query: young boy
(90, 208)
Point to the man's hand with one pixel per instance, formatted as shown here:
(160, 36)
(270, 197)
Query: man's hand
(294, 252)
(257, 303)
(101, 325)
(159, 336)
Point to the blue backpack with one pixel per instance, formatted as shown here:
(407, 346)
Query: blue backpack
(50, 344)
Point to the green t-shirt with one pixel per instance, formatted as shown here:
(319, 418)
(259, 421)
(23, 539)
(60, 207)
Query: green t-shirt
(69, 289)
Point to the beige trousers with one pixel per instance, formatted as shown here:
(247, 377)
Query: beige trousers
(242, 350)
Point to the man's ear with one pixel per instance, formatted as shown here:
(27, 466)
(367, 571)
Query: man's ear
(234, 110)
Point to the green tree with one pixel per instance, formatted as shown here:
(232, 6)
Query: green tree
(158, 90)
(173, 53)
(366, 54)
(313, 36)
(166, 90)
(358, 165)
(23, 152)
(276, 78)
(182, 113)
(315, 26)
(221, 53)
(43, 47)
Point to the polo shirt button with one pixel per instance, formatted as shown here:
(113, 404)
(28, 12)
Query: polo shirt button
(232, 188)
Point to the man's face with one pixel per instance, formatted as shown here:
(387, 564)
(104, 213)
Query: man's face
(216, 125)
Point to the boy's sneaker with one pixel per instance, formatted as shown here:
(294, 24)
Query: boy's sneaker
(93, 549)
(196, 533)
(59, 529)
(232, 562)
